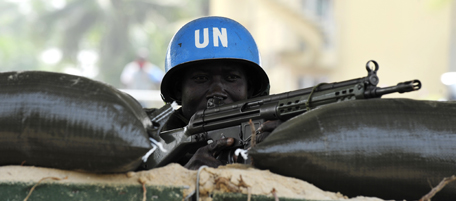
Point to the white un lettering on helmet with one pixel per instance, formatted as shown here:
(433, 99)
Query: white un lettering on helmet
(217, 36)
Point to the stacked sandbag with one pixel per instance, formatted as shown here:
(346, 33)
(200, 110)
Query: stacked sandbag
(69, 122)
(388, 148)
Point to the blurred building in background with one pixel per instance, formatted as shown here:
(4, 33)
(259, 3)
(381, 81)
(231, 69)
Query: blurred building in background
(302, 42)
(307, 42)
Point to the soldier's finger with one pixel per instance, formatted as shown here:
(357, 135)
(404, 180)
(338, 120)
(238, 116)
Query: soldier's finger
(269, 126)
(218, 145)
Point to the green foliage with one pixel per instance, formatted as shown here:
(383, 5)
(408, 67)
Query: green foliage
(115, 29)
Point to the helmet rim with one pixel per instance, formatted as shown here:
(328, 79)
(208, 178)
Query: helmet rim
(257, 75)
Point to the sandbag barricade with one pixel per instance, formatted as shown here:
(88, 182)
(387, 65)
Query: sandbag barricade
(69, 122)
(387, 148)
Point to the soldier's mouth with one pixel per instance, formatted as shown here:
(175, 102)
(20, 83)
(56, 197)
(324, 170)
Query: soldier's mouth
(214, 102)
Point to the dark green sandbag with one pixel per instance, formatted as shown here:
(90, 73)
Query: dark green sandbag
(387, 148)
(69, 122)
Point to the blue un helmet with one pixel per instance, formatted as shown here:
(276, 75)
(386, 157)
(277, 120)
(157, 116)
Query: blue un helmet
(212, 38)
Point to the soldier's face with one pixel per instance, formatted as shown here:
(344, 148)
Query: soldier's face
(225, 80)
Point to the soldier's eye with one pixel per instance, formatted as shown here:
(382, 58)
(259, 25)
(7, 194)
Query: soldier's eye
(199, 78)
(233, 77)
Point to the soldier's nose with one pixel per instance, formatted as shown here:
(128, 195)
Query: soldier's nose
(217, 88)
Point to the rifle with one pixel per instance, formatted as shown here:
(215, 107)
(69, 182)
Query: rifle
(232, 120)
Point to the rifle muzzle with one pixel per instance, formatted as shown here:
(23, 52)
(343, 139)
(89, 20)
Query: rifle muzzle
(401, 87)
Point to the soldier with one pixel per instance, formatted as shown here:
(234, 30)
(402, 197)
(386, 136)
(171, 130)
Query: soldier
(210, 58)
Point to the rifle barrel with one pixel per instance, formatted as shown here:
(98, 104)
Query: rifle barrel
(401, 87)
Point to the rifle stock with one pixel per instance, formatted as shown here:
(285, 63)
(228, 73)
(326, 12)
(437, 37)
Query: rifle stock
(231, 120)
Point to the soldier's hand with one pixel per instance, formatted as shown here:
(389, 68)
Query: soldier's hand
(266, 128)
(206, 155)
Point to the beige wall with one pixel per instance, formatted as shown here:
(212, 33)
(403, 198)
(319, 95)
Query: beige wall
(408, 38)
(274, 36)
